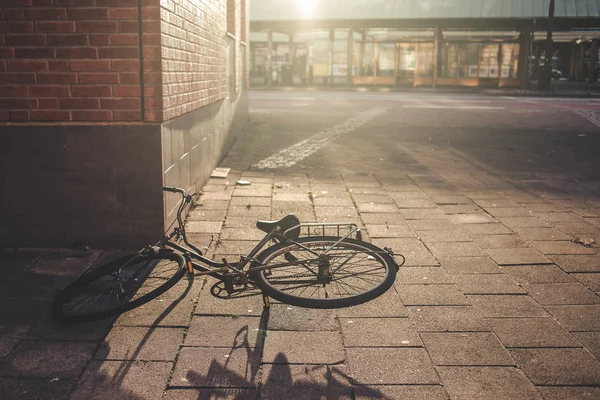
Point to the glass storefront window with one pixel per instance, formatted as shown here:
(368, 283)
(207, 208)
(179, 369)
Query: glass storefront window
(510, 60)
(407, 60)
(339, 67)
(386, 53)
(468, 55)
(365, 58)
(426, 55)
(488, 64)
(449, 60)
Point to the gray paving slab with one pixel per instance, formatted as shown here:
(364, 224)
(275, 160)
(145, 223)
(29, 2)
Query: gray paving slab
(584, 229)
(423, 214)
(421, 275)
(577, 263)
(412, 249)
(558, 367)
(560, 217)
(487, 284)
(543, 207)
(405, 392)
(216, 367)
(500, 242)
(387, 305)
(284, 381)
(415, 203)
(303, 347)
(561, 293)
(476, 218)
(577, 317)
(395, 366)
(47, 359)
(13, 262)
(524, 256)
(390, 231)
(250, 210)
(470, 265)
(541, 234)
(537, 274)
(329, 200)
(498, 383)
(447, 319)
(561, 247)
(122, 380)
(590, 280)
(376, 208)
(409, 194)
(431, 224)
(524, 222)
(466, 348)
(450, 199)
(498, 212)
(224, 331)
(63, 263)
(252, 201)
(495, 203)
(431, 295)
(207, 215)
(242, 234)
(590, 340)
(531, 332)
(34, 389)
(569, 392)
(10, 336)
(162, 311)
(502, 306)
(291, 318)
(455, 249)
(379, 332)
(211, 205)
(450, 235)
(486, 229)
(211, 394)
(242, 306)
(372, 198)
(382, 218)
(140, 344)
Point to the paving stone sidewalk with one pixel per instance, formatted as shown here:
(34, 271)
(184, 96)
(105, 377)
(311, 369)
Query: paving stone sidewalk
(498, 299)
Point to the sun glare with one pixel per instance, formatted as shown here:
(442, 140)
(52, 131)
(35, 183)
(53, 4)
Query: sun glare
(307, 6)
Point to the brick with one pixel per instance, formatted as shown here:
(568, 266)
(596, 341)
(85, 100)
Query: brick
(501, 306)
(118, 52)
(49, 91)
(46, 13)
(7, 52)
(87, 13)
(48, 104)
(19, 116)
(13, 91)
(55, 26)
(379, 332)
(123, 13)
(125, 65)
(16, 27)
(26, 65)
(90, 65)
(26, 39)
(531, 332)
(128, 27)
(92, 115)
(14, 14)
(97, 26)
(17, 78)
(33, 52)
(128, 103)
(91, 91)
(76, 52)
(98, 77)
(99, 39)
(58, 66)
(446, 319)
(4, 115)
(41, 3)
(124, 39)
(116, 3)
(69, 39)
(127, 91)
(39, 115)
(562, 294)
(75, 3)
(79, 103)
(129, 78)
(53, 78)
(466, 349)
(120, 115)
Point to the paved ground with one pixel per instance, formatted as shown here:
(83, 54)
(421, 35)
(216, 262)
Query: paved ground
(495, 202)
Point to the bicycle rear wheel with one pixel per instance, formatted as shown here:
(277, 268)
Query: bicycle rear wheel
(118, 286)
(311, 273)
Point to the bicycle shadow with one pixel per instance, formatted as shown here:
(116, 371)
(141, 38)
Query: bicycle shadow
(276, 380)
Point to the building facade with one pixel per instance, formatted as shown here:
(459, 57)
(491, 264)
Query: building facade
(407, 43)
(105, 101)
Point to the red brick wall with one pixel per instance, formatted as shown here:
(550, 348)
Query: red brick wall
(78, 60)
(69, 60)
(193, 54)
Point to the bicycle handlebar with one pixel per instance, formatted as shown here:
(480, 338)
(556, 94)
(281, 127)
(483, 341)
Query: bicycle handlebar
(175, 190)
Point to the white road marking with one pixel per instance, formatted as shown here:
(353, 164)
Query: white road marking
(298, 152)
(592, 116)
(433, 106)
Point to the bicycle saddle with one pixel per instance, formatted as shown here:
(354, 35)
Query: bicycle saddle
(285, 223)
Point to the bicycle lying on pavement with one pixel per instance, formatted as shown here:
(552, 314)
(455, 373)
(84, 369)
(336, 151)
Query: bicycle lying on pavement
(313, 271)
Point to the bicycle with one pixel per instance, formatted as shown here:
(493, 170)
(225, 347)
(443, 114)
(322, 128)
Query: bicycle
(314, 271)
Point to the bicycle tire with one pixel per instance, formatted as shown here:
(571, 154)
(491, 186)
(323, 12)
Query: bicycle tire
(371, 252)
(140, 269)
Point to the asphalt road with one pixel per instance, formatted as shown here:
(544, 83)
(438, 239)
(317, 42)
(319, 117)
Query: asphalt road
(520, 138)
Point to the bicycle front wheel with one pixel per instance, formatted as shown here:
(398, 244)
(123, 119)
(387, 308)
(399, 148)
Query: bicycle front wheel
(315, 272)
(118, 286)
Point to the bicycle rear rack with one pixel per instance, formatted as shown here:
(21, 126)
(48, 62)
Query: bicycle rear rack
(342, 230)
